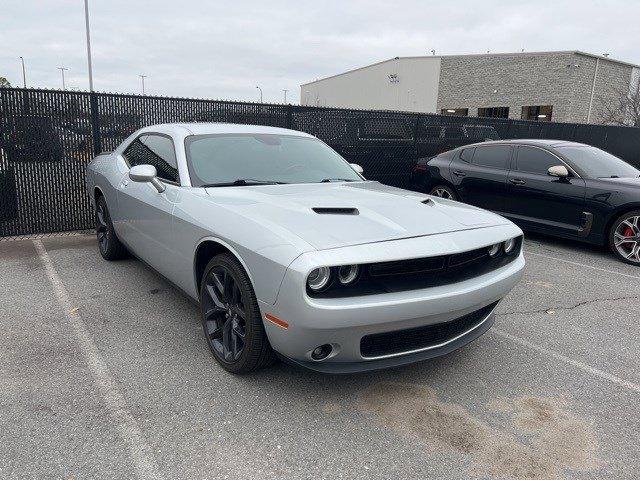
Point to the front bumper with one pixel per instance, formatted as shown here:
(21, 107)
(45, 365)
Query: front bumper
(342, 322)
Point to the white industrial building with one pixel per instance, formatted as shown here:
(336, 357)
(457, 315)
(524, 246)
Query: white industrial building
(568, 86)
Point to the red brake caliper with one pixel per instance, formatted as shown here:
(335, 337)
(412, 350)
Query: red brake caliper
(628, 232)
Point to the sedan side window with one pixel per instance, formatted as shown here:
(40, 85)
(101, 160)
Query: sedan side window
(467, 154)
(494, 156)
(156, 150)
(535, 160)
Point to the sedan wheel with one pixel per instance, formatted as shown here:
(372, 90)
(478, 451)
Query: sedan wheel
(108, 242)
(443, 191)
(625, 237)
(230, 317)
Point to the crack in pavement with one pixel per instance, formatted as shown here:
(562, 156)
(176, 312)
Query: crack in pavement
(579, 304)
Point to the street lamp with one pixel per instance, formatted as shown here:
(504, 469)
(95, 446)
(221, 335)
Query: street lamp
(142, 77)
(62, 70)
(24, 75)
(260, 93)
(86, 21)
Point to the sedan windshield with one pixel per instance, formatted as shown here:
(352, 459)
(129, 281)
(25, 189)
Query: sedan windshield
(258, 159)
(595, 163)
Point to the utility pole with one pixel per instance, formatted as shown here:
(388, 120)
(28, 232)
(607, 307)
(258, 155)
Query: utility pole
(62, 70)
(260, 93)
(285, 94)
(24, 75)
(142, 77)
(86, 21)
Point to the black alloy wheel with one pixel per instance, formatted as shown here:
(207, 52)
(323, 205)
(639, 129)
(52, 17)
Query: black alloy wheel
(231, 318)
(108, 242)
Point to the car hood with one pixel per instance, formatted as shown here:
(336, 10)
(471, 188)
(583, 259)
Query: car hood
(331, 215)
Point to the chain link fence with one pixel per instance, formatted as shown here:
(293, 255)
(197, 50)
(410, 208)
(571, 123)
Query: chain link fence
(47, 137)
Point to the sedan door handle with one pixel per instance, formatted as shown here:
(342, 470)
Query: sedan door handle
(517, 181)
(459, 173)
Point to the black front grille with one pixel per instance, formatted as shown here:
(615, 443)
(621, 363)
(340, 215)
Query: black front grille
(417, 273)
(399, 341)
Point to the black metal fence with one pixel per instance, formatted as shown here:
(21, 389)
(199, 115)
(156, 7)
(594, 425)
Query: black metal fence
(48, 137)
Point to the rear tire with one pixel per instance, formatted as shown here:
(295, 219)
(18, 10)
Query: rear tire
(444, 191)
(108, 242)
(624, 237)
(231, 317)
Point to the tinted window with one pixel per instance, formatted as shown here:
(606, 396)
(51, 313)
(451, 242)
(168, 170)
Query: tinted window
(467, 154)
(595, 163)
(534, 160)
(215, 159)
(495, 156)
(154, 150)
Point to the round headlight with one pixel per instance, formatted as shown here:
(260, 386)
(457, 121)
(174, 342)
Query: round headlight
(319, 278)
(509, 245)
(494, 250)
(348, 273)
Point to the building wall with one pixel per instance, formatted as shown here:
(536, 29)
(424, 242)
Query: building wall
(416, 88)
(563, 80)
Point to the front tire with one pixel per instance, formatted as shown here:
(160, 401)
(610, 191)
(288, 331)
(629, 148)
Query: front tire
(108, 242)
(231, 318)
(624, 237)
(444, 191)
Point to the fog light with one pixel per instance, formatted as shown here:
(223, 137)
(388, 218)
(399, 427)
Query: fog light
(494, 250)
(509, 245)
(348, 273)
(321, 352)
(319, 279)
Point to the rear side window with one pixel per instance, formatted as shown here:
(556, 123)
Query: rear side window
(467, 154)
(535, 160)
(156, 150)
(494, 156)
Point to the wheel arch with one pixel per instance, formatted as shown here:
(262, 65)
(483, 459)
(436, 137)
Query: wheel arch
(97, 193)
(613, 216)
(205, 250)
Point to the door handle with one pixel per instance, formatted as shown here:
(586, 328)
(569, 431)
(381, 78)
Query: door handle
(517, 181)
(459, 173)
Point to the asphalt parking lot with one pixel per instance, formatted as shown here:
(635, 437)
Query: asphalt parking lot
(104, 373)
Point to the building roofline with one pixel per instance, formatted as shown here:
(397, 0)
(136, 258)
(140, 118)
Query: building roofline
(504, 54)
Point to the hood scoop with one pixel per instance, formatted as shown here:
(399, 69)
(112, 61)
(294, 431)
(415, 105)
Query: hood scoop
(336, 211)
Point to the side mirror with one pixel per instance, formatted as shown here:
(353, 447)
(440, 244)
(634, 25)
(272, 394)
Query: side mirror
(357, 168)
(146, 174)
(558, 171)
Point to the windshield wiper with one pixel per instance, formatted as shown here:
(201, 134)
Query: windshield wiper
(327, 180)
(240, 182)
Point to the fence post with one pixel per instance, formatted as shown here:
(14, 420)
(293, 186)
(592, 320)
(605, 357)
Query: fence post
(289, 116)
(95, 123)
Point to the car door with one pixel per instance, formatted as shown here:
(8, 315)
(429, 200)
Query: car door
(479, 175)
(542, 201)
(146, 213)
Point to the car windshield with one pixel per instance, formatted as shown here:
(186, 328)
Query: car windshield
(253, 159)
(595, 163)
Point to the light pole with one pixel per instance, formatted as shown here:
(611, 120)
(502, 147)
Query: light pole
(260, 93)
(285, 94)
(142, 77)
(86, 21)
(24, 75)
(62, 70)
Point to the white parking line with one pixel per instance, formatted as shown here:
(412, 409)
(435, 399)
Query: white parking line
(563, 358)
(529, 252)
(143, 459)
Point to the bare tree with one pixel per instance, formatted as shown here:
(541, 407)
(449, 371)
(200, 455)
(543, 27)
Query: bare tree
(4, 83)
(624, 107)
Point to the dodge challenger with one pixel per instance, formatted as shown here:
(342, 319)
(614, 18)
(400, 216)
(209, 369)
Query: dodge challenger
(290, 252)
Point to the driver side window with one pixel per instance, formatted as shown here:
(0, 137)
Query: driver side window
(156, 150)
(535, 160)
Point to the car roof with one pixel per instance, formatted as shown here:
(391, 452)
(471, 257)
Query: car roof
(198, 128)
(545, 143)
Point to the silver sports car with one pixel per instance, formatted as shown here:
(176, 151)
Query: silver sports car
(290, 251)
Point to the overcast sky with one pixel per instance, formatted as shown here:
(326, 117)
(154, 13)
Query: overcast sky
(223, 49)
